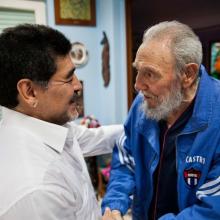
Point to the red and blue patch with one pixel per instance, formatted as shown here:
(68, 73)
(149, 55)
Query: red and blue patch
(192, 176)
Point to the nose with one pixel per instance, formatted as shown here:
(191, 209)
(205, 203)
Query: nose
(140, 83)
(77, 86)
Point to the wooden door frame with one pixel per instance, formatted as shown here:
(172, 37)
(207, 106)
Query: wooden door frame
(128, 7)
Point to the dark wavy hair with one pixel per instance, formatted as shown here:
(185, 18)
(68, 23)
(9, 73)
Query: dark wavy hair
(28, 51)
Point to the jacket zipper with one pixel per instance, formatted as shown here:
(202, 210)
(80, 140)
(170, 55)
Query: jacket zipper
(158, 175)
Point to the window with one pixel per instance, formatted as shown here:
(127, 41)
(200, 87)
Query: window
(15, 12)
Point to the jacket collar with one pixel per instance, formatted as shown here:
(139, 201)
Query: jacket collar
(203, 107)
(49, 133)
(150, 130)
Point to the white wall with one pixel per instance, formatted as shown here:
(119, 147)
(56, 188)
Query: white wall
(109, 105)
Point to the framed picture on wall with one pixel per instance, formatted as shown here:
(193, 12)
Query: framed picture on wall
(215, 59)
(75, 12)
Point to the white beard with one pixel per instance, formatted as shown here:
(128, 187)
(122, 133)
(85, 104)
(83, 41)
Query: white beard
(168, 104)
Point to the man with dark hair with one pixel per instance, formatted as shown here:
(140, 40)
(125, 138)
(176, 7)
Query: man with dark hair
(167, 164)
(43, 174)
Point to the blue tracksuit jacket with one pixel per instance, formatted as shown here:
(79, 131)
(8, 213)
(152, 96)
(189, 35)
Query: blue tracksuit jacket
(136, 157)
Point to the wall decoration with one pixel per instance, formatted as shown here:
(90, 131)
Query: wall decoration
(215, 60)
(105, 60)
(75, 12)
(79, 54)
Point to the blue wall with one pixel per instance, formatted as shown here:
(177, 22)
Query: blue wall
(108, 105)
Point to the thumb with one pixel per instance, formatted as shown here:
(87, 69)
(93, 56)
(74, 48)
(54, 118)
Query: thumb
(107, 211)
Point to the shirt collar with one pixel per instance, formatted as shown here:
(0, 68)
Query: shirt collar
(49, 133)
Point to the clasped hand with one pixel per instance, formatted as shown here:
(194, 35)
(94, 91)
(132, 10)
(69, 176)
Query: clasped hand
(112, 215)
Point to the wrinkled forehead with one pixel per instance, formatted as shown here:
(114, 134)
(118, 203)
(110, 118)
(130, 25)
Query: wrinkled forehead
(154, 53)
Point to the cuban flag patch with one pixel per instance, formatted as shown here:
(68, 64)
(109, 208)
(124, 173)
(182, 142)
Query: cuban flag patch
(192, 177)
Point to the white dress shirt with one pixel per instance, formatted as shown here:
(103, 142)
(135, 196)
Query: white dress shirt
(43, 175)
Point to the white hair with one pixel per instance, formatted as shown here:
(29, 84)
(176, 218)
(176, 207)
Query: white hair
(185, 46)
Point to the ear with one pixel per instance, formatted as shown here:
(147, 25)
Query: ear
(190, 74)
(27, 92)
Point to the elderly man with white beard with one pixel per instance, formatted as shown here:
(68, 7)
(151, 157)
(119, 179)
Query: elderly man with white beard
(167, 166)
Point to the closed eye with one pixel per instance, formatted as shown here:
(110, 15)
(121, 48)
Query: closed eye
(69, 81)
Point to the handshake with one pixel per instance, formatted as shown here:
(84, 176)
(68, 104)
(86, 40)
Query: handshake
(112, 215)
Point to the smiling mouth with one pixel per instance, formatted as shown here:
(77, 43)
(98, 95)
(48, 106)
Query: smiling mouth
(148, 97)
(72, 101)
(76, 96)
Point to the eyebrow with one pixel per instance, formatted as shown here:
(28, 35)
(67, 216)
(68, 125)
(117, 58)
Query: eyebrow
(70, 73)
(144, 68)
(134, 65)
(138, 66)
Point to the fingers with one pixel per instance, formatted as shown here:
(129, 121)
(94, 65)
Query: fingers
(117, 215)
(107, 214)
(111, 215)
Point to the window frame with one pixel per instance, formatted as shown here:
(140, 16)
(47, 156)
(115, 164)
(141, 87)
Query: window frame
(39, 8)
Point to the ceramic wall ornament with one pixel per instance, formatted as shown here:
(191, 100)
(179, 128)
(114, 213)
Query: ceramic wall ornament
(105, 60)
(79, 54)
